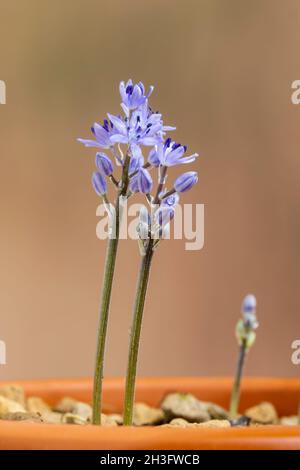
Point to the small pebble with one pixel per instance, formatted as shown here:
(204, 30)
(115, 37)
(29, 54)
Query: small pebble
(213, 423)
(118, 419)
(107, 420)
(215, 411)
(83, 409)
(144, 415)
(186, 406)
(13, 392)
(10, 406)
(289, 420)
(264, 413)
(70, 418)
(36, 405)
(79, 408)
(65, 405)
(52, 417)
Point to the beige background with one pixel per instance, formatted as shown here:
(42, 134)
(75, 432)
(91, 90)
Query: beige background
(223, 71)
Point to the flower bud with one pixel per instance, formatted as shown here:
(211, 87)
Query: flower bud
(245, 329)
(136, 160)
(99, 183)
(153, 157)
(144, 181)
(170, 201)
(249, 304)
(133, 184)
(249, 312)
(164, 215)
(133, 95)
(104, 164)
(185, 181)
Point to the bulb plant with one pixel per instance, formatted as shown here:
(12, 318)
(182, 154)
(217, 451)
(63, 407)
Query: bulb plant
(127, 137)
(245, 334)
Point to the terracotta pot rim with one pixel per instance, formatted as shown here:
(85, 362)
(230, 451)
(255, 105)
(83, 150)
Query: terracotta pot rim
(18, 435)
(249, 382)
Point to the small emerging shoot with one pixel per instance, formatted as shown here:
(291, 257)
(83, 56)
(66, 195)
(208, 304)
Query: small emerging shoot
(245, 334)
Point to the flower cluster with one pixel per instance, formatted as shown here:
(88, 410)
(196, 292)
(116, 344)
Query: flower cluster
(139, 127)
(245, 329)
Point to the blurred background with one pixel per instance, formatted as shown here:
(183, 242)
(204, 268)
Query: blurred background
(222, 71)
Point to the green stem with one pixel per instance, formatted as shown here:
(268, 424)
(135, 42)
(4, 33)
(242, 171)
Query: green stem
(235, 394)
(160, 184)
(135, 333)
(109, 269)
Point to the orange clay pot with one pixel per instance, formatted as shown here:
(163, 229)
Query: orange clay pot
(283, 393)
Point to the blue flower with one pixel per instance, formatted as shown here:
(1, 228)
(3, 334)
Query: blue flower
(185, 181)
(102, 134)
(99, 183)
(104, 164)
(170, 153)
(144, 127)
(171, 200)
(164, 215)
(133, 95)
(153, 157)
(141, 182)
(136, 160)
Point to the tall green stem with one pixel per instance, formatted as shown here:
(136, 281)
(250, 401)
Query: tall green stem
(109, 269)
(135, 333)
(235, 394)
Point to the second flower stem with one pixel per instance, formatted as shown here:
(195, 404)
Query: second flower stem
(135, 333)
(235, 394)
